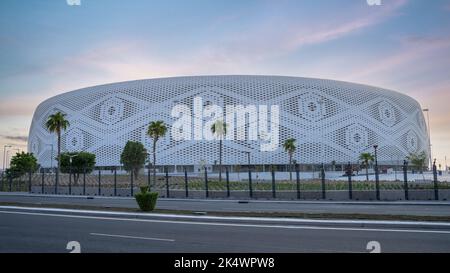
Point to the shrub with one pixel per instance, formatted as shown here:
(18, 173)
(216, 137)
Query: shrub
(145, 199)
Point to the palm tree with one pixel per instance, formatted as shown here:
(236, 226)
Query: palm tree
(367, 158)
(219, 128)
(289, 147)
(156, 130)
(56, 123)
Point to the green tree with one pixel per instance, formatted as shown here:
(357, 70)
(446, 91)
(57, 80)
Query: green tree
(418, 161)
(290, 147)
(219, 128)
(133, 157)
(156, 130)
(81, 162)
(21, 164)
(56, 123)
(366, 158)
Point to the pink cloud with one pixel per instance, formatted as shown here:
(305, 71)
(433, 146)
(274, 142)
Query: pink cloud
(413, 49)
(335, 30)
(18, 106)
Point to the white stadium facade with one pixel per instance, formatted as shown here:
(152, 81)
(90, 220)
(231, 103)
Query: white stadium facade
(331, 120)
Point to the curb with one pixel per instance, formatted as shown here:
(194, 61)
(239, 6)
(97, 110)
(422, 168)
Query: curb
(228, 219)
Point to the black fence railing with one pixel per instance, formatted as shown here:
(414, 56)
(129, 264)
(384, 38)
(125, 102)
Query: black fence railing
(251, 183)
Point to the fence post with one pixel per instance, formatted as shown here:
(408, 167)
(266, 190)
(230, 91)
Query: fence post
(297, 178)
(350, 185)
(250, 187)
(70, 181)
(322, 174)
(99, 182)
(1, 189)
(167, 182)
(115, 181)
(377, 181)
(43, 180)
(227, 174)
(56, 180)
(405, 179)
(84, 181)
(10, 182)
(274, 193)
(131, 183)
(186, 185)
(435, 180)
(206, 183)
(29, 181)
(149, 181)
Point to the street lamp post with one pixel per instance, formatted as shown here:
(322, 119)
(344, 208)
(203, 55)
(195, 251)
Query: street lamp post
(446, 167)
(4, 154)
(8, 159)
(248, 158)
(51, 157)
(377, 179)
(429, 136)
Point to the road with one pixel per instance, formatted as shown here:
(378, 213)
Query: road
(440, 208)
(37, 230)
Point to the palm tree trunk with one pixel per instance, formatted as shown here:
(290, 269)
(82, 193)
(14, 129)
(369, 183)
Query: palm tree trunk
(59, 161)
(154, 163)
(367, 171)
(59, 149)
(290, 167)
(220, 160)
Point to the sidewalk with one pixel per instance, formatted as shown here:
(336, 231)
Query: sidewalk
(235, 207)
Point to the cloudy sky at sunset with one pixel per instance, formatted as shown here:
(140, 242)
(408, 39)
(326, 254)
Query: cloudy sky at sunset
(49, 47)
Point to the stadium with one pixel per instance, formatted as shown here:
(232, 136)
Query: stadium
(332, 121)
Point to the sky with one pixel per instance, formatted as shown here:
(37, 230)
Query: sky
(48, 47)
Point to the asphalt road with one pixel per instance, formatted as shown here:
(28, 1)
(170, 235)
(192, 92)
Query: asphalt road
(46, 231)
(386, 208)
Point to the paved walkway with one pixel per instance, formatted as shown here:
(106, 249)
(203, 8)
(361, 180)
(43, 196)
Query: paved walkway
(415, 208)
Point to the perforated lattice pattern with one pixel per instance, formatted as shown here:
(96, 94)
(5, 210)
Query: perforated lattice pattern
(332, 121)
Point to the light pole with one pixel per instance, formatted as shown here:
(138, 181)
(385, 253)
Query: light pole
(8, 160)
(395, 167)
(446, 167)
(51, 157)
(377, 179)
(4, 154)
(429, 135)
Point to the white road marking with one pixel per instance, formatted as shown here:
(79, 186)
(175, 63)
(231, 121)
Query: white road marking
(229, 224)
(234, 218)
(131, 237)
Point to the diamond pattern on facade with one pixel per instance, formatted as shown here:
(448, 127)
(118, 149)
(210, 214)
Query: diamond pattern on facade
(331, 120)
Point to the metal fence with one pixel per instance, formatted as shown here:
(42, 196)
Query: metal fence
(252, 183)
